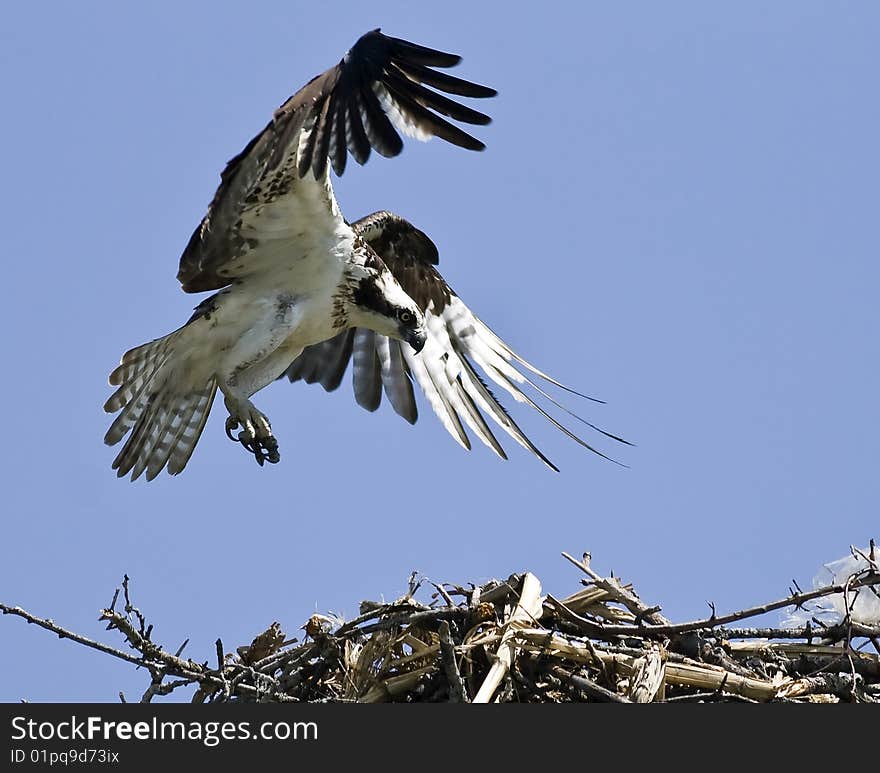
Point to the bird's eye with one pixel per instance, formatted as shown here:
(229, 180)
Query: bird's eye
(405, 316)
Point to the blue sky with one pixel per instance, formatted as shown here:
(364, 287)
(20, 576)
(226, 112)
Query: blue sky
(676, 212)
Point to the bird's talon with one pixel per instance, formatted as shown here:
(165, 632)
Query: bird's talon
(256, 436)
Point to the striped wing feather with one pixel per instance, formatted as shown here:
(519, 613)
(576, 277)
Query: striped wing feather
(460, 358)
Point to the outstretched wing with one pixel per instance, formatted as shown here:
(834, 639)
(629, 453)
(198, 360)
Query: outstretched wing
(459, 348)
(268, 201)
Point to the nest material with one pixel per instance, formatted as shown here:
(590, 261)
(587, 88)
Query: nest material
(505, 641)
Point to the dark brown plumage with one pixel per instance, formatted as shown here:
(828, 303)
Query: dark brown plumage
(409, 254)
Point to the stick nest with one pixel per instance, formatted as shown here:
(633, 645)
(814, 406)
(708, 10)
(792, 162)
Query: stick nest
(505, 641)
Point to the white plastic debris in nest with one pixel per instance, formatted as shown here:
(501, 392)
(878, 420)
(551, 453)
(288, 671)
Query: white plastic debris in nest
(864, 602)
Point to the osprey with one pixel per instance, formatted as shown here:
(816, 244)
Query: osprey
(301, 291)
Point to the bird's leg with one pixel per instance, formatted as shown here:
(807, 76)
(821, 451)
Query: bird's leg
(256, 432)
(250, 365)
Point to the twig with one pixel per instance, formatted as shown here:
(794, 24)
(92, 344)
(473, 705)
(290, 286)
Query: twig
(64, 633)
(588, 686)
(450, 665)
(144, 630)
(383, 609)
(646, 679)
(442, 591)
(807, 632)
(713, 622)
(614, 587)
(843, 686)
(527, 609)
(392, 621)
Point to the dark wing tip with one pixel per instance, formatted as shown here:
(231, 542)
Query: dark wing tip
(430, 57)
(349, 102)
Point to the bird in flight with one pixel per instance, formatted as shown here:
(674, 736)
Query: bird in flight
(301, 291)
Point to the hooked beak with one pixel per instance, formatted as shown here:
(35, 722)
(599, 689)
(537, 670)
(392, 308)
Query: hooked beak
(416, 338)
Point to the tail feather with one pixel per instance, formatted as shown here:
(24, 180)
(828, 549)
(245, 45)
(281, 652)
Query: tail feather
(143, 358)
(136, 451)
(168, 427)
(185, 440)
(165, 422)
(132, 410)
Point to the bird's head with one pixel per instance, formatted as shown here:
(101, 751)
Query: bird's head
(379, 303)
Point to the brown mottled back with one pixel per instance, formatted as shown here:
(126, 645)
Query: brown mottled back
(409, 254)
